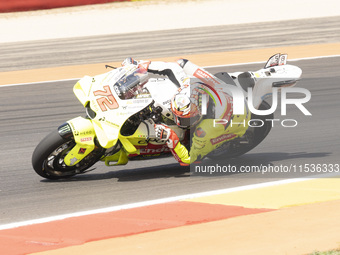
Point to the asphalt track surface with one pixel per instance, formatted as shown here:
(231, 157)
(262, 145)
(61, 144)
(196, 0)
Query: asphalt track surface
(177, 42)
(29, 112)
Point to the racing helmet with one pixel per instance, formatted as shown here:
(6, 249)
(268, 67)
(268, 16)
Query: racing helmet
(186, 107)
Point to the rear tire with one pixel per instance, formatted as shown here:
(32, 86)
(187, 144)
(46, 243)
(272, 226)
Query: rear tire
(48, 157)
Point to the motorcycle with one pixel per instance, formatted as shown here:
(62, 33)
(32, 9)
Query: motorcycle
(123, 105)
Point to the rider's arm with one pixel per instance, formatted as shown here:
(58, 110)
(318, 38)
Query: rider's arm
(170, 69)
(178, 150)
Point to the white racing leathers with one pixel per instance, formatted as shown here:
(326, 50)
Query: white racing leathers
(205, 137)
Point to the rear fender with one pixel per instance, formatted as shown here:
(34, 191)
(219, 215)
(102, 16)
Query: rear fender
(84, 134)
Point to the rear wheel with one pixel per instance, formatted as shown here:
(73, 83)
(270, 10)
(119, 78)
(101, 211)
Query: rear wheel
(48, 157)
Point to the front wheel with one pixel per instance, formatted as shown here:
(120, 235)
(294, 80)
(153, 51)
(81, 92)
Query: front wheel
(48, 157)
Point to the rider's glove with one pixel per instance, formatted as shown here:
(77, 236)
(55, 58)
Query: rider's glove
(164, 133)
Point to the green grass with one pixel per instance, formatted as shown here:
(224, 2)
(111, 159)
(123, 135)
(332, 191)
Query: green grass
(332, 252)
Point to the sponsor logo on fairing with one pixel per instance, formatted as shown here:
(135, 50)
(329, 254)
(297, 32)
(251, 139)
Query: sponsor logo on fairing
(86, 139)
(222, 138)
(82, 151)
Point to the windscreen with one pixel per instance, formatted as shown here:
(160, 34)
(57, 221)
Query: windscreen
(130, 85)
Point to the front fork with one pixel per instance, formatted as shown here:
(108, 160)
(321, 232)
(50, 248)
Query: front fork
(83, 133)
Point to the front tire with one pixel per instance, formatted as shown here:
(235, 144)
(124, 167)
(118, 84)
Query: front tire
(48, 157)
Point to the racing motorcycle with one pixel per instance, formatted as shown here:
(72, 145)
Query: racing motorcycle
(123, 105)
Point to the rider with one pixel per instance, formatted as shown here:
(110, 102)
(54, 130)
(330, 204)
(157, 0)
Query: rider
(187, 105)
